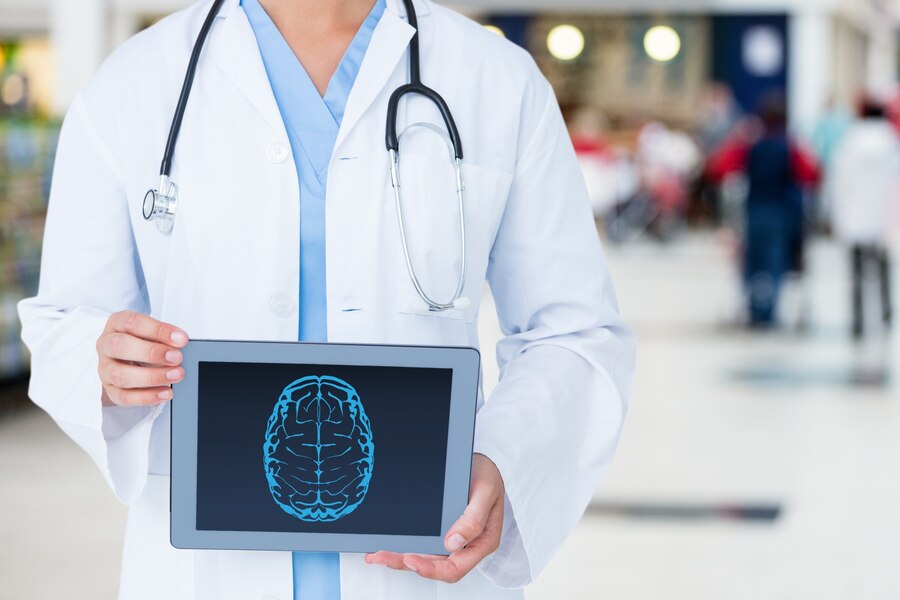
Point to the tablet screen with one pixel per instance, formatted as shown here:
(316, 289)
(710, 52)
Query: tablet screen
(321, 448)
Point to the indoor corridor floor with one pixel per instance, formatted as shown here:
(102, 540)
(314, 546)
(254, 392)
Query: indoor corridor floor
(758, 466)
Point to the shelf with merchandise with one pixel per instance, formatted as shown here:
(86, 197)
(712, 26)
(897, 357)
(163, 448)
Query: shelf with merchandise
(27, 151)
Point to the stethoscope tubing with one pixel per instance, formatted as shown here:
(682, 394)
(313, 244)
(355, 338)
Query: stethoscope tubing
(392, 140)
(165, 169)
(160, 204)
(433, 305)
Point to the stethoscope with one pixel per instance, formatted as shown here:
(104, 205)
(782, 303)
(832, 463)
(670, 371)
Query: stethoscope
(160, 203)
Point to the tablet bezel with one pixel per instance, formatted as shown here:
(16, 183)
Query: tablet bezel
(465, 363)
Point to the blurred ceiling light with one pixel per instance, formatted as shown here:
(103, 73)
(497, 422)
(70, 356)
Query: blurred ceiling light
(495, 29)
(662, 43)
(565, 42)
(763, 51)
(12, 92)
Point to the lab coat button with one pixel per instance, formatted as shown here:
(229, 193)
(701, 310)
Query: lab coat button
(281, 305)
(277, 152)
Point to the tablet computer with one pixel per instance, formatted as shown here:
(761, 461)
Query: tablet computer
(321, 447)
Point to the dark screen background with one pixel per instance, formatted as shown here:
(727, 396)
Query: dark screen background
(409, 410)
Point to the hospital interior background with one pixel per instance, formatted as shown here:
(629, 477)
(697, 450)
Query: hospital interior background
(761, 455)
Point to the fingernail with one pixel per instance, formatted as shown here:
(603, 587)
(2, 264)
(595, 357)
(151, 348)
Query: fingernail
(173, 356)
(174, 375)
(410, 567)
(178, 338)
(455, 542)
(165, 395)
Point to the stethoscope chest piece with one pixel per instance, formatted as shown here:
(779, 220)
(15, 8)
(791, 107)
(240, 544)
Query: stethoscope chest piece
(159, 205)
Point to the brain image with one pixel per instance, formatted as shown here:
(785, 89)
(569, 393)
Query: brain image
(318, 452)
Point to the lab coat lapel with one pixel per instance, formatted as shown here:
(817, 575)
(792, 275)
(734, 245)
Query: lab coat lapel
(234, 51)
(387, 46)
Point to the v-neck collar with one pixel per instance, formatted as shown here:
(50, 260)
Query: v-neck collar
(344, 76)
(273, 44)
(235, 51)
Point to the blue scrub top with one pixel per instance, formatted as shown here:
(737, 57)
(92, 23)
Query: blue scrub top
(312, 123)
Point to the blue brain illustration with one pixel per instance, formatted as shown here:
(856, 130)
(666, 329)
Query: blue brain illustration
(318, 453)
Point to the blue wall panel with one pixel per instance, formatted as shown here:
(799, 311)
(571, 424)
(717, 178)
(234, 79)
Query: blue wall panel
(730, 34)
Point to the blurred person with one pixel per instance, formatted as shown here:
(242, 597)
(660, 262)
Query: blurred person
(667, 162)
(718, 116)
(893, 109)
(776, 170)
(724, 170)
(863, 188)
(609, 173)
(826, 137)
(829, 131)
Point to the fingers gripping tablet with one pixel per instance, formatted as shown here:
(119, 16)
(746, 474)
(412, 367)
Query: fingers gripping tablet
(321, 447)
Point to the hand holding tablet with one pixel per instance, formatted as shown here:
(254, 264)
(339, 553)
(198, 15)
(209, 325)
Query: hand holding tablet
(326, 447)
(475, 535)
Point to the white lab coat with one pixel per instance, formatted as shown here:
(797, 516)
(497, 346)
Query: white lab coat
(230, 271)
(863, 183)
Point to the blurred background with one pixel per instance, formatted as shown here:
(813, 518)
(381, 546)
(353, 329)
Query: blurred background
(742, 159)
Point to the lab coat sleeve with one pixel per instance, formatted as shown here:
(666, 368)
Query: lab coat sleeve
(566, 361)
(89, 270)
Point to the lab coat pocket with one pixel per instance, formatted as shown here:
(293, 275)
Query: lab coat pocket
(431, 219)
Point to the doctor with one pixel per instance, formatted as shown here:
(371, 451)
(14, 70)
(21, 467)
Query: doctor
(286, 228)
